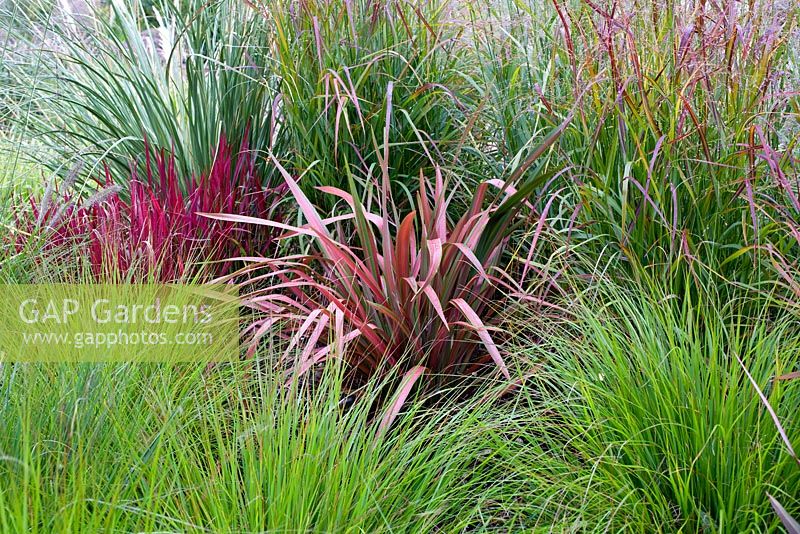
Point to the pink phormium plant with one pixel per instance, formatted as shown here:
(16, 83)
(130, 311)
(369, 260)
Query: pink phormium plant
(418, 296)
(152, 230)
(421, 295)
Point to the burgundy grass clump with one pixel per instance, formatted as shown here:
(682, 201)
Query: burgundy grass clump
(152, 230)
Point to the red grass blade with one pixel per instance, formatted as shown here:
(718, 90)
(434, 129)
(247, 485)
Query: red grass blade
(789, 376)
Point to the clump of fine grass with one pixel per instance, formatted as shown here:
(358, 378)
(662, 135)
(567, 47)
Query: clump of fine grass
(160, 448)
(105, 86)
(336, 60)
(645, 419)
(680, 150)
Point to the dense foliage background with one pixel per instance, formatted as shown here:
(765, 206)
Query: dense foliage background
(505, 265)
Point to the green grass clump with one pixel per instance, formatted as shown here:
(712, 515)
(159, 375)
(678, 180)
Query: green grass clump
(227, 449)
(179, 83)
(336, 60)
(679, 147)
(645, 419)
